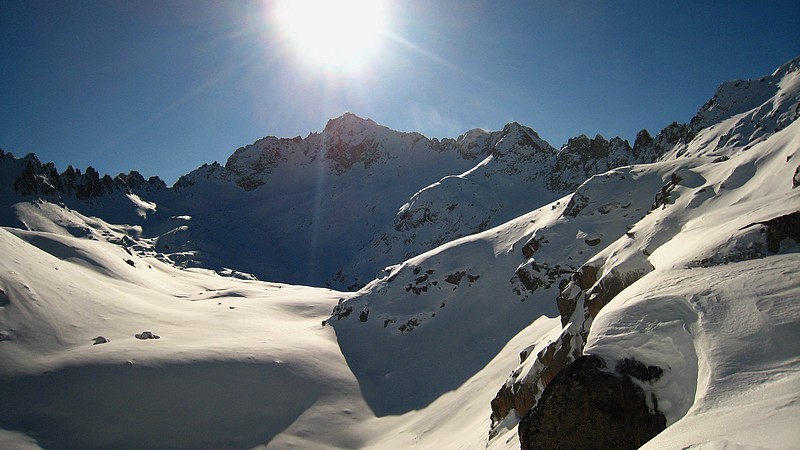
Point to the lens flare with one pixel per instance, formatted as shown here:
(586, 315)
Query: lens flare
(333, 34)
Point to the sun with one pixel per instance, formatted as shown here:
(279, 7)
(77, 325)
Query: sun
(333, 34)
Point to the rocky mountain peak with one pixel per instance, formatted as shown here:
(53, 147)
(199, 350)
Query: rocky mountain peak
(516, 127)
(515, 134)
(738, 96)
(348, 122)
(34, 178)
(793, 65)
(206, 171)
(472, 135)
(349, 140)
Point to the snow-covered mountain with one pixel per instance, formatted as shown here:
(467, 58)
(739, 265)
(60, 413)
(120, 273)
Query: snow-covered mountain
(338, 206)
(292, 210)
(653, 303)
(686, 267)
(287, 209)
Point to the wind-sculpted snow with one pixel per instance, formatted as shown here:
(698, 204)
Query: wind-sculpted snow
(715, 210)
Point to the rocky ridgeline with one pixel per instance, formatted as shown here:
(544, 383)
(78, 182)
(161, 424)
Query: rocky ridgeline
(484, 179)
(521, 173)
(763, 106)
(495, 176)
(503, 174)
(37, 179)
(347, 142)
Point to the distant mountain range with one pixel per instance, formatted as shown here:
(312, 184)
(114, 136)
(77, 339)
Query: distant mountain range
(336, 207)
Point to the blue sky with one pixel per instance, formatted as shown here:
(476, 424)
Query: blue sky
(165, 86)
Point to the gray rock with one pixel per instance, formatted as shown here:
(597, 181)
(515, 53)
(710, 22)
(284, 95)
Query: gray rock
(147, 335)
(100, 340)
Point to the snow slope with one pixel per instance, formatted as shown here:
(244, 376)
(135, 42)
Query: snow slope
(687, 266)
(713, 208)
(237, 363)
(222, 374)
(522, 173)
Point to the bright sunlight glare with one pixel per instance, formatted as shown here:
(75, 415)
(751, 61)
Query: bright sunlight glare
(333, 34)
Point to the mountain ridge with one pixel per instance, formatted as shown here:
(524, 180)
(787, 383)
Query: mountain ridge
(347, 149)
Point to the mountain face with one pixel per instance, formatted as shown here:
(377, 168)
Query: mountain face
(303, 198)
(647, 267)
(637, 295)
(521, 173)
(300, 201)
(304, 205)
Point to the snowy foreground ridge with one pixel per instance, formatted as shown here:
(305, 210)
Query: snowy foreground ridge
(510, 294)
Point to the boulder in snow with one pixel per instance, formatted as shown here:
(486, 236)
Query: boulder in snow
(147, 335)
(100, 340)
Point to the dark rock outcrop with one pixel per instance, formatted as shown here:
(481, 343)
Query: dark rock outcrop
(144, 335)
(647, 149)
(37, 178)
(587, 408)
(642, 142)
(340, 311)
(663, 197)
(100, 340)
(521, 394)
(583, 157)
(639, 370)
(517, 396)
(531, 276)
(610, 284)
(780, 228)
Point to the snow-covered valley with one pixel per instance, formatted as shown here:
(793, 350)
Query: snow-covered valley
(494, 273)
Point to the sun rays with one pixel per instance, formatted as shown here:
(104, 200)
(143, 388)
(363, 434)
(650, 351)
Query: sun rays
(333, 35)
